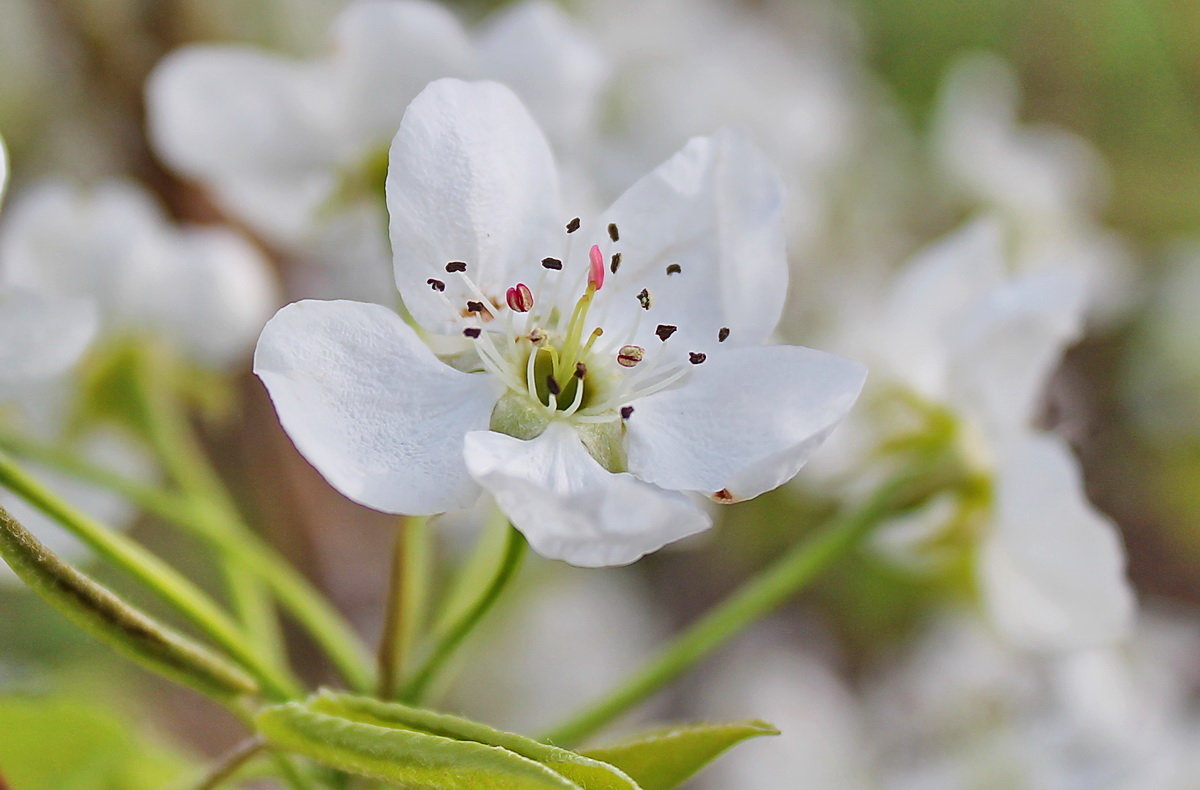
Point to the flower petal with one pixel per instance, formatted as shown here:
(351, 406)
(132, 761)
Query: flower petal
(572, 509)
(536, 49)
(214, 297)
(1052, 570)
(386, 52)
(744, 422)
(1006, 349)
(715, 210)
(371, 407)
(41, 336)
(471, 179)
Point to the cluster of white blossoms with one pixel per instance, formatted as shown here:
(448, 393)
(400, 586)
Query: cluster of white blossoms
(592, 370)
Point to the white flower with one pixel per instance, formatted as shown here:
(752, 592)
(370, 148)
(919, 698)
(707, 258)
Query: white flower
(960, 334)
(617, 361)
(298, 148)
(205, 289)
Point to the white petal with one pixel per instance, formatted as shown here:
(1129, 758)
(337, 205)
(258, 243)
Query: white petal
(1052, 570)
(744, 422)
(215, 296)
(931, 299)
(1006, 349)
(219, 112)
(41, 336)
(386, 52)
(96, 243)
(569, 507)
(371, 407)
(471, 179)
(536, 49)
(715, 209)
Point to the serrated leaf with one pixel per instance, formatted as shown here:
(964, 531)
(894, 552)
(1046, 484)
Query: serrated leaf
(665, 759)
(111, 619)
(412, 760)
(588, 773)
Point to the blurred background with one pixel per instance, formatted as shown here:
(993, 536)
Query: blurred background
(877, 676)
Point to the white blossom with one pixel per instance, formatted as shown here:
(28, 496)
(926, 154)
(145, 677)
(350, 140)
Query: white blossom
(587, 372)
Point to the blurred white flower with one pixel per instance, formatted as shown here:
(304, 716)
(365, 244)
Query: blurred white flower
(1048, 183)
(961, 336)
(298, 148)
(204, 289)
(618, 362)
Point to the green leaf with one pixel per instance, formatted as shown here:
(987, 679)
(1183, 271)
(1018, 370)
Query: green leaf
(588, 773)
(413, 760)
(665, 759)
(111, 619)
(58, 743)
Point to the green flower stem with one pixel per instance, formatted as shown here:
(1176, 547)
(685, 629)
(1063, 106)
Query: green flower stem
(311, 609)
(177, 446)
(232, 762)
(155, 574)
(757, 597)
(514, 549)
(406, 602)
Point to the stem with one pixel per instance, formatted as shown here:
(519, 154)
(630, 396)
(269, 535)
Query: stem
(231, 763)
(180, 450)
(406, 600)
(155, 574)
(514, 550)
(758, 596)
(311, 609)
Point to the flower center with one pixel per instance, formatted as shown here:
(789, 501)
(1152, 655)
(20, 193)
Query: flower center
(564, 365)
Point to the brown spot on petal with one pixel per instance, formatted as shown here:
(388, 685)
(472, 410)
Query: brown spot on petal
(724, 497)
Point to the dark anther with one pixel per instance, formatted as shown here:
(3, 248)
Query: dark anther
(612, 232)
(644, 299)
(626, 412)
(552, 263)
(723, 334)
(552, 385)
(674, 268)
(475, 307)
(616, 261)
(436, 285)
(472, 331)
(664, 331)
(573, 225)
(456, 266)
(695, 357)
(580, 370)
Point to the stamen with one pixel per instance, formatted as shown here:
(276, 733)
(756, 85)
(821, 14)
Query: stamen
(456, 266)
(664, 331)
(537, 337)
(519, 298)
(552, 263)
(580, 370)
(616, 261)
(723, 334)
(644, 299)
(573, 225)
(629, 356)
(472, 332)
(474, 307)
(696, 357)
(626, 412)
(596, 333)
(552, 385)
(436, 285)
(674, 268)
(612, 232)
(596, 273)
